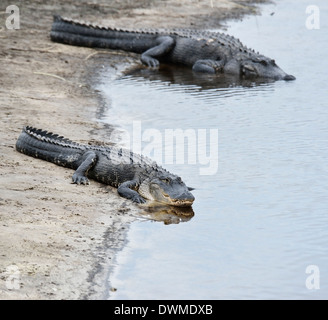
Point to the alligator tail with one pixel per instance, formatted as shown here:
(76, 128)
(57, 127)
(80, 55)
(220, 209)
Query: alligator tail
(47, 146)
(86, 34)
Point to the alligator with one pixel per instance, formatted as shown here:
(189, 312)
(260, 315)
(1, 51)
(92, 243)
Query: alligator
(135, 176)
(204, 51)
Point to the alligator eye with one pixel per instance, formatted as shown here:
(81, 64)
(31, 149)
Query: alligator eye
(166, 180)
(263, 62)
(248, 68)
(248, 71)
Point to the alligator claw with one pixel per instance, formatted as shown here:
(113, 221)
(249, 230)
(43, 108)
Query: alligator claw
(149, 61)
(138, 199)
(78, 179)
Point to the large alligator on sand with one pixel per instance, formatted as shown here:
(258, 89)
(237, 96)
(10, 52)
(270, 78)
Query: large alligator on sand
(210, 52)
(135, 176)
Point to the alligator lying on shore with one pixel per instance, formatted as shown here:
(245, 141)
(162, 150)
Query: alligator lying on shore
(136, 177)
(210, 52)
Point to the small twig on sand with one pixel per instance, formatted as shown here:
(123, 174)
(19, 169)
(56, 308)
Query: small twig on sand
(90, 55)
(50, 75)
(43, 49)
(116, 53)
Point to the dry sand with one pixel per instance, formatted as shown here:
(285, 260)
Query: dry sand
(58, 240)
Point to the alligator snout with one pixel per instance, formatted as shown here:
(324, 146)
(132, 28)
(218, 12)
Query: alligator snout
(289, 77)
(186, 196)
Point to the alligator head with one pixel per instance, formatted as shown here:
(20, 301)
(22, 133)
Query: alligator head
(168, 189)
(259, 67)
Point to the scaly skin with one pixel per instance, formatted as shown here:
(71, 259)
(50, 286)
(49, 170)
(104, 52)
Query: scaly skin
(135, 176)
(209, 52)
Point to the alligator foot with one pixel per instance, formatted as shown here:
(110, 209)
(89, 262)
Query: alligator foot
(164, 45)
(80, 179)
(88, 161)
(208, 66)
(149, 61)
(125, 190)
(138, 199)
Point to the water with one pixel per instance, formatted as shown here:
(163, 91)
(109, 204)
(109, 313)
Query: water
(261, 219)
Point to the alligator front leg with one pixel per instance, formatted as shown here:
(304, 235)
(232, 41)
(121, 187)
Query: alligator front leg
(208, 66)
(80, 175)
(125, 191)
(165, 45)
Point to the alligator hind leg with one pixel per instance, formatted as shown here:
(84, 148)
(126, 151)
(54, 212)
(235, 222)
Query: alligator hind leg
(165, 45)
(88, 161)
(125, 191)
(208, 66)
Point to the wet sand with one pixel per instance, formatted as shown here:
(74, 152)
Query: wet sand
(58, 240)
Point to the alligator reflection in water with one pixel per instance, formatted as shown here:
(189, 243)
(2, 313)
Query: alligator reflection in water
(185, 77)
(167, 214)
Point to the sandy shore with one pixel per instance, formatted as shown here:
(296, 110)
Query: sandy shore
(58, 240)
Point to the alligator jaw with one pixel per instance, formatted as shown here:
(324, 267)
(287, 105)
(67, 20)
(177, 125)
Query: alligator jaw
(182, 203)
(185, 200)
(172, 192)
